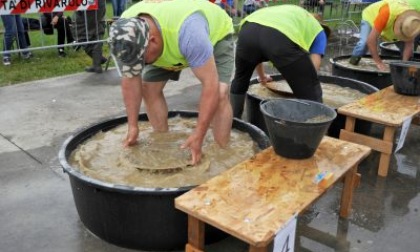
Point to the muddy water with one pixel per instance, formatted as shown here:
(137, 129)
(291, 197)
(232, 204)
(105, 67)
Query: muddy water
(157, 161)
(365, 64)
(333, 95)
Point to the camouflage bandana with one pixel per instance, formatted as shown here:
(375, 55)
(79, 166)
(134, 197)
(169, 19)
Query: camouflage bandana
(128, 39)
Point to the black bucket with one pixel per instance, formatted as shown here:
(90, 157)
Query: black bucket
(377, 79)
(391, 49)
(296, 127)
(136, 217)
(406, 77)
(255, 117)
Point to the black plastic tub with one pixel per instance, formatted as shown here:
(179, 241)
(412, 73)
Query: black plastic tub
(388, 50)
(135, 217)
(256, 118)
(406, 77)
(296, 127)
(377, 79)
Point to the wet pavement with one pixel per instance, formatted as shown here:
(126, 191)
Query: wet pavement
(38, 214)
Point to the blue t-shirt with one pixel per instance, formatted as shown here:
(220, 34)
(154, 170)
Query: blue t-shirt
(228, 2)
(320, 44)
(194, 40)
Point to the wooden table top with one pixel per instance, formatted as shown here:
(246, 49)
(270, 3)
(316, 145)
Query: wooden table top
(385, 107)
(255, 198)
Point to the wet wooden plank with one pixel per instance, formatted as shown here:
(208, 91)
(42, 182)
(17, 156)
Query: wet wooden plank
(385, 107)
(252, 200)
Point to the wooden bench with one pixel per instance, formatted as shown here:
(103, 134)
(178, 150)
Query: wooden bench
(254, 199)
(386, 108)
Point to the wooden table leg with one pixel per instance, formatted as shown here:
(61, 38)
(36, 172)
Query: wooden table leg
(347, 193)
(350, 123)
(385, 158)
(416, 120)
(195, 235)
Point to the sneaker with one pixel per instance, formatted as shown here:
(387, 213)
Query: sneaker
(27, 55)
(7, 61)
(75, 46)
(61, 53)
(93, 69)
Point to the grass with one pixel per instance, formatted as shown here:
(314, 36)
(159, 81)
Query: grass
(47, 64)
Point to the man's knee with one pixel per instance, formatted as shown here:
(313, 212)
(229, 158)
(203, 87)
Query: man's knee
(223, 92)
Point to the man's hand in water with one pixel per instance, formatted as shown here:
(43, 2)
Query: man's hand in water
(382, 67)
(194, 144)
(131, 138)
(266, 78)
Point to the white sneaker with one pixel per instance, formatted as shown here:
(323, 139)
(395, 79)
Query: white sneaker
(7, 61)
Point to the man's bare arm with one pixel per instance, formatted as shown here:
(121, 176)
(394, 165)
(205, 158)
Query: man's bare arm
(131, 91)
(209, 98)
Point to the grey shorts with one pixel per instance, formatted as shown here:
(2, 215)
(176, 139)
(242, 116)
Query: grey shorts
(223, 53)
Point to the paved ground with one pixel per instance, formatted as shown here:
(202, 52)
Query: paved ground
(37, 211)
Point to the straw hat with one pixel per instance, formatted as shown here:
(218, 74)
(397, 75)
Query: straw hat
(407, 25)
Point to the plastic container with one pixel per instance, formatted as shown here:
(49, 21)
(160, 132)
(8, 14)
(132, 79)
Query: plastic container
(136, 217)
(377, 79)
(406, 77)
(388, 50)
(255, 116)
(296, 127)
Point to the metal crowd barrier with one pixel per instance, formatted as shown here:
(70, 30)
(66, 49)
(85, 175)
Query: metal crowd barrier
(38, 38)
(343, 15)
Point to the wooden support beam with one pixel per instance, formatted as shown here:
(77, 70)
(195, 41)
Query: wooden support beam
(195, 234)
(374, 143)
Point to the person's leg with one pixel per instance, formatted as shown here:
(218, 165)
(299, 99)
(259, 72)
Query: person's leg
(115, 8)
(121, 7)
(294, 64)
(61, 36)
(321, 7)
(156, 106)
(304, 86)
(222, 120)
(69, 34)
(21, 36)
(247, 57)
(154, 81)
(361, 47)
(9, 34)
(95, 52)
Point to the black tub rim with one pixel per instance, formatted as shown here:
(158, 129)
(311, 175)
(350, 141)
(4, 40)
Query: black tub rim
(330, 78)
(383, 45)
(64, 153)
(333, 62)
(295, 123)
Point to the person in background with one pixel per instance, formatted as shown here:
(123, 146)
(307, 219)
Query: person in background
(62, 25)
(230, 6)
(288, 36)
(390, 20)
(13, 29)
(416, 45)
(118, 7)
(151, 47)
(89, 26)
(311, 4)
(250, 6)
